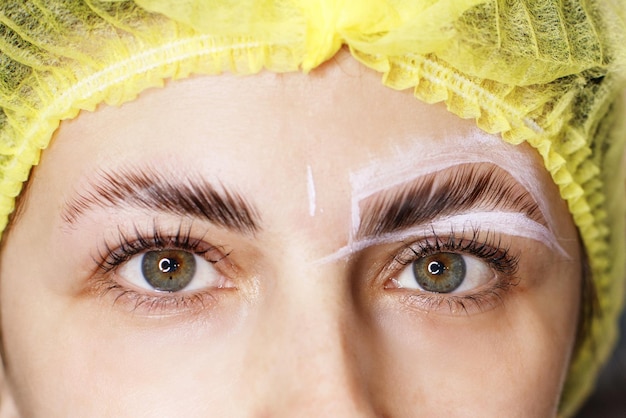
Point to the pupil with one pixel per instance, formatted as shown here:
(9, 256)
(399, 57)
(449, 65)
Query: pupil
(168, 265)
(436, 268)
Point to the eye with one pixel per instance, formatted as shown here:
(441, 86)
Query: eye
(445, 272)
(170, 270)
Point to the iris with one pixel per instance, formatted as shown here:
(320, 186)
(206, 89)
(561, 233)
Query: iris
(168, 270)
(442, 272)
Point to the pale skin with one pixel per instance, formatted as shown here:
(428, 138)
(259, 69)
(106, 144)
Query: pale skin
(282, 326)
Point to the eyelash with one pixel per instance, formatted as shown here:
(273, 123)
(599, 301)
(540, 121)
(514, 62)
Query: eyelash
(126, 246)
(482, 245)
(488, 249)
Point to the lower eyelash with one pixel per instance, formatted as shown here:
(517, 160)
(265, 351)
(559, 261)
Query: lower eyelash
(481, 301)
(165, 304)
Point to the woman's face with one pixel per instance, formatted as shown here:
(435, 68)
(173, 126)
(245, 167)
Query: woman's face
(287, 245)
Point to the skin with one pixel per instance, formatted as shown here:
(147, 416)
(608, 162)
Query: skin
(286, 334)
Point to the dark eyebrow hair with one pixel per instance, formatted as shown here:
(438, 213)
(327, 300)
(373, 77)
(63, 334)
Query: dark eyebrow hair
(152, 190)
(447, 192)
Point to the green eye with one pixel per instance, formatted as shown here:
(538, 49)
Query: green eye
(440, 273)
(168, 270)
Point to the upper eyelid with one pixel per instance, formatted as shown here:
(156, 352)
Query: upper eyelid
(126, 244)
(478, 243)
(485, 241)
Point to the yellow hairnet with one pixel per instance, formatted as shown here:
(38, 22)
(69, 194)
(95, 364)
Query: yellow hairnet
(544, 72)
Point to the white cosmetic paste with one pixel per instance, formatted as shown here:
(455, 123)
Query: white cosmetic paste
(403, 168)
(310, 186)
(507, 223)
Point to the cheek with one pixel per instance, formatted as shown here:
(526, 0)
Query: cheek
(68, 356)
(75, 365)
(512, 357)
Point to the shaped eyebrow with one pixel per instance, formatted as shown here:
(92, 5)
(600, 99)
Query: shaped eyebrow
(159, 192)
(460, 189)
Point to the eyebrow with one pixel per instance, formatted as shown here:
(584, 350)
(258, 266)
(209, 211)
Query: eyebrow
(159, 192)
(460, 189)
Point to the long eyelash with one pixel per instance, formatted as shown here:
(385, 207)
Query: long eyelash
(127, 245)
(488, 248)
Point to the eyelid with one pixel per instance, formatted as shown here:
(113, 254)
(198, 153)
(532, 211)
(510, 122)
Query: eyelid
(127, 244)
(507, 223)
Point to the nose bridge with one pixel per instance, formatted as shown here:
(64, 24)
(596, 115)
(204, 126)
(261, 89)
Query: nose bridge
(313, 365)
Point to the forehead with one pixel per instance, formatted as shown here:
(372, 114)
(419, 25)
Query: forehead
(338, 113)
(299, 146)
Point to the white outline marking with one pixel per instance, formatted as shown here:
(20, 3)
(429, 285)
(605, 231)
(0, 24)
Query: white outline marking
(507, 223)
(310, 186)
